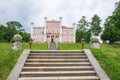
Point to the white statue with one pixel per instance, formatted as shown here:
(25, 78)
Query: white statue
(17, 45)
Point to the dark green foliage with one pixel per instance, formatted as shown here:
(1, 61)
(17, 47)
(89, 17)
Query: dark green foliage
(2, 33)
(78, 36)
(15, 25)
(82, 30)
(112, 26)
(25, 36)
(95, 25)
(12, 28)
(88, 36)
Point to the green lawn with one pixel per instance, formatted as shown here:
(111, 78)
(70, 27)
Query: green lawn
(8, 57)
(108, 56)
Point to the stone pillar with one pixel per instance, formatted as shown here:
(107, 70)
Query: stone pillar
(17, 45)
(60, 36)
(31, 33)
(50, 39)
(55, 38)
(45, 25)
(74, 31)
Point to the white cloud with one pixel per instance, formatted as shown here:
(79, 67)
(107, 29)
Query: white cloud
(27, 11)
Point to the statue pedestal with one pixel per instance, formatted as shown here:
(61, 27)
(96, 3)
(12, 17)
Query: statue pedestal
(95, 45)
(17, 45)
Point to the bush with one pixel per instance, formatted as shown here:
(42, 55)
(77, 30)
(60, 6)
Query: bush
(94, 39)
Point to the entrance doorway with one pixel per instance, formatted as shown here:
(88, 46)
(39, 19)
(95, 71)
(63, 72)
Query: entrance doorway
(52, 38)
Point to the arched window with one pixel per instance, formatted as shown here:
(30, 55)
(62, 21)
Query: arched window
(52, 31)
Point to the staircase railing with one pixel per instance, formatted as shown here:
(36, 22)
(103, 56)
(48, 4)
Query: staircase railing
(48, 45)
(56, 45)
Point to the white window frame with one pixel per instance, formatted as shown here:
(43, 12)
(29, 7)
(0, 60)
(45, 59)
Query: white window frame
(35, 31)
(64, 31)
(70, 32)
(41, 39)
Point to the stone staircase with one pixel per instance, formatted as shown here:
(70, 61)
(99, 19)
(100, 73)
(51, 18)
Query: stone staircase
(58, 65)
(52, 46)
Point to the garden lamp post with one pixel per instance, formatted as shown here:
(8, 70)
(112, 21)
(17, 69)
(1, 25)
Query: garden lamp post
(82, 42)
(30, 41)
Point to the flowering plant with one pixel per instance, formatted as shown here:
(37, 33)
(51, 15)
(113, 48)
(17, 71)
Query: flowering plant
(17, 37)
(94, 39)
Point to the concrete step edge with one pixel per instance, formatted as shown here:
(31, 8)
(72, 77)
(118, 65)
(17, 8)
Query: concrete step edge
(61, 72)
(68, 67)
(57, 78)
(56, 51)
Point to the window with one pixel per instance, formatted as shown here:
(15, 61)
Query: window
(48, 31)
(41, 39)
(52, 31)
(70, 32)
(64, 39)
(64, 31)
(70, 39)
(56, 31)
(35, 39)
(35, 31)
(42, 31)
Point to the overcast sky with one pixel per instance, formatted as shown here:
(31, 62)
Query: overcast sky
(27, 11)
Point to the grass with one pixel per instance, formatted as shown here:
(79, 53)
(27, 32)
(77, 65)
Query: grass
(108, 56)
(71, 46)
(9, 57)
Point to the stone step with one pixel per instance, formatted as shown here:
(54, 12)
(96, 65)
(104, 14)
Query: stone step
(37, 64)
(56, 51)
(52, 54)
(57, 73)
(57, 57)
(61, 78)
(52, 46)
(57, 60)
(57, 65)
(63, 68)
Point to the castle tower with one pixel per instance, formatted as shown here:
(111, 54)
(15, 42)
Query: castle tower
(60, 37)
(45, 25)
(74, 31)
(31, 27)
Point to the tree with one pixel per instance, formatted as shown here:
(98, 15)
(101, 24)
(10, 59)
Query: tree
(15, 25)
(25, 36)
(3, 29)
(88, 36)
(95, 25)
(112, 26)
(81, 29)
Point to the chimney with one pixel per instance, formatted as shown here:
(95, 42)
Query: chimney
(60, 18)
(73, 24)
(32, 23)
(45, 18)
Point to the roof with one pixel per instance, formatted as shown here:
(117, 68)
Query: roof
(53, 21)
(67, 27)
(38, 27)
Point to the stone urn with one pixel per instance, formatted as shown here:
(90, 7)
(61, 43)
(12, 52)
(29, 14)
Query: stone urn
(17, 42)
(95, 42)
